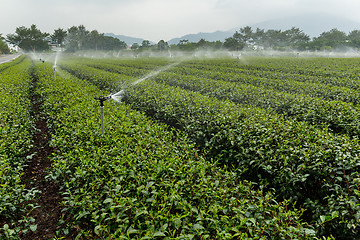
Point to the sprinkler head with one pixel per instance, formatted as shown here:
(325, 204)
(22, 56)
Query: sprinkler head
(102, 99)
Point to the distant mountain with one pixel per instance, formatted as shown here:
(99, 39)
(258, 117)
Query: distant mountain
(211, 37)
(311, 24)
(128, 40)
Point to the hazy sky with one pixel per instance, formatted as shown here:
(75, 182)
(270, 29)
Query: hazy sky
(160, 19)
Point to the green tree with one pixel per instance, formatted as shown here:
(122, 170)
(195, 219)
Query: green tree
(275, 39)
(94, 38)
(293, 38)
(110, 43)
(145, 44)
(259, 37)
(59, 36)
(185, 45)
(71, 41)
(79, 38)
(4, 48)
(331, 39)
(245, 35)
(354, 38)
(135, 46)
(82, 35)
(233, 44)
(29, 39)
(296, 38)
(162, 45)
(202, 43)
(76, 38)
(217, 44)
(183, 41)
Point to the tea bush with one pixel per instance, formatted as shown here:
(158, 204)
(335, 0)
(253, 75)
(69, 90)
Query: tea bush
(143, 181)
(16, 127)
(305, 164)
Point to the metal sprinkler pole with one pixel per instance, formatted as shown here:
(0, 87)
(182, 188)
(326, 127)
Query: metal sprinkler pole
(102, 99)
(102, 120)
(55, 73)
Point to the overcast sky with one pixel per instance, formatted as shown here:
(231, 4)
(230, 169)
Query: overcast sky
(160, 19)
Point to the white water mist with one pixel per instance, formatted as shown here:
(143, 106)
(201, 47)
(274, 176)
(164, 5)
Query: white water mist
(153, 74)
(119, 95)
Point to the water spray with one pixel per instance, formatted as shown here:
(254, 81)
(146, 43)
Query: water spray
(119, 95)
(102, 99)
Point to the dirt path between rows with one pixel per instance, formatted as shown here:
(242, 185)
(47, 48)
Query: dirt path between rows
(48, 214)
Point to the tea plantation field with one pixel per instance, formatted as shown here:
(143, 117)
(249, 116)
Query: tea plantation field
(217, 148)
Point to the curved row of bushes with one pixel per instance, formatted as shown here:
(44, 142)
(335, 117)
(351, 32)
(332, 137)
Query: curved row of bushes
(142, 181)
(15, 143)
(310, 166)
(318, 170)
(313, 89)
(333, 71)
(340, 117)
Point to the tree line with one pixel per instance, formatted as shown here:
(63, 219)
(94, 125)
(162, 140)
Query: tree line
(292, 39)
(73, 39)
(78, 38)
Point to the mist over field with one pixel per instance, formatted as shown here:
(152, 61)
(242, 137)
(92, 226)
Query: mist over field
(168, 119)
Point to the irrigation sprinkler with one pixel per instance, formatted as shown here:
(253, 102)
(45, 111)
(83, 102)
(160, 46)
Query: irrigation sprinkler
(102, 99)
(55, 73)
(43, 61)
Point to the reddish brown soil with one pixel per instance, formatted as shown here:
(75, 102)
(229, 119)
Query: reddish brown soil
(48, 214)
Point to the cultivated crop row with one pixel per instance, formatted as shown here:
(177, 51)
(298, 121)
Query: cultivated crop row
(15, 144)
(340, 117)
(313, 89)
(143, 181)
(324, 70)
(308, 165)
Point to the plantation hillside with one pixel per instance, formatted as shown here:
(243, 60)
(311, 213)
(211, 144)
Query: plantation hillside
(193, 148)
